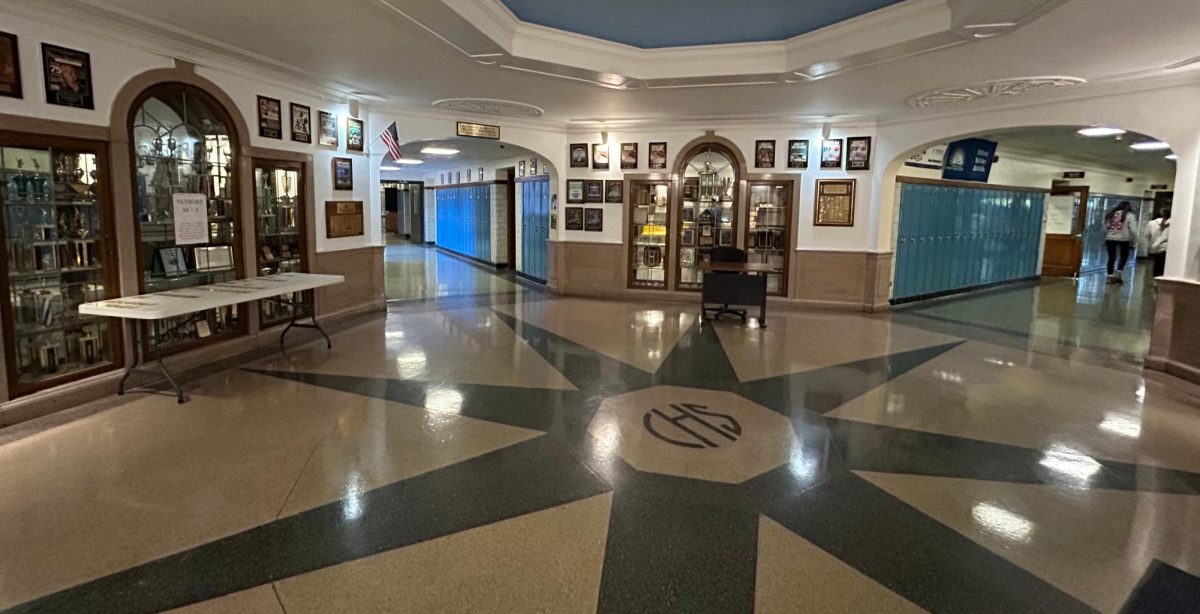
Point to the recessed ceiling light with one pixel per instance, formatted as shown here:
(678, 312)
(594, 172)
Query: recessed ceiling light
(409, 161)
(1150, 146)
(1095, 131)
(439, 151)
(1172, 157)
(988, 26)
(403, 161)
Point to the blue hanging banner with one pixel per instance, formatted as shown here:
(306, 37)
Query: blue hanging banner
(969, 160)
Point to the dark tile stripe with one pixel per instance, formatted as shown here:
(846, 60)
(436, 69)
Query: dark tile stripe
(672, 553)
(517, 480)
(872, 447)
(698, 361)
(1165, 590)
(825, 389)
(913, 555)
(533, 408)
(587, 369)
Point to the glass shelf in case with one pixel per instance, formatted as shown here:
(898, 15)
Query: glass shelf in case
(649, 219)
(182, 144)
(279, 229)
(55, 217)
(768, 229)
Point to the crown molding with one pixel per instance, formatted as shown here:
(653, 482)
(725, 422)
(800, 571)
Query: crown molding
(894, 25)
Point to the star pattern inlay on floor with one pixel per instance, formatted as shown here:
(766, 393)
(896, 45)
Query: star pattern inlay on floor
(683, 527)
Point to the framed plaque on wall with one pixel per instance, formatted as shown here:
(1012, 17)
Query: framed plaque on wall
(343, 218)
(835, 203)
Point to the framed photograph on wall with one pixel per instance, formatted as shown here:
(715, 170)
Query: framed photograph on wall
(600, 156)
(301, 123)
(593, 220)
(270, 118)
(858, 153)
(831, 153)
(68, 76)
(764, 154)
(835, 202)
(574, 218)
(328, 136)
(457, 176)
(687, 236)
(614, 191)
(629, 155)
(533, 166)
(575, 191)
(798, 153)
(579, 155)
(593, 191)
(355, 138)
(468, 175)
(658, 155)
(343, 174)
(10, 66)
(481, 173)
(521, 168)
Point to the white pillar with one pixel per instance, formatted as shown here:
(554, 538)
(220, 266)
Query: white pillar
(1183, 252)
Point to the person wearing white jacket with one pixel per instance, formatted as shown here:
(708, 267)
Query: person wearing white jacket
(1158, 241)
(1120, 228)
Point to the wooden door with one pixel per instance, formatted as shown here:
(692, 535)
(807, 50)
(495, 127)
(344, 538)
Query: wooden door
(1066, 216)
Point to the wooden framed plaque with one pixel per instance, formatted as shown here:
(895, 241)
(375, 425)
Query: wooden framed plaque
(343, 218)
(835, 203)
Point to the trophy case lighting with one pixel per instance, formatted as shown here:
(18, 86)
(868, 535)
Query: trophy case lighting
(182, 144)
(707, 213)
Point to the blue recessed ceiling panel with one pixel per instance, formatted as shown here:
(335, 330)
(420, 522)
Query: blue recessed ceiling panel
(652, 24)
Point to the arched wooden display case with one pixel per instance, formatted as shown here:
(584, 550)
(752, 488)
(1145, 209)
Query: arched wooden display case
(183, 141)
(711, 176)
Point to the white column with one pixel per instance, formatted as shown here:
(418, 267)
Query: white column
(1183, 251)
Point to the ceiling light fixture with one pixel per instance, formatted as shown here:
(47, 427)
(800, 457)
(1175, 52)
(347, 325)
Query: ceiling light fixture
(1172, 157)
(1150, 146)
(990, 26)
(1099, 131)
(408, 161)
(439, 151)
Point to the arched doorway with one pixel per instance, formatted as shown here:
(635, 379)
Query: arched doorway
(486, 212)
(1005, 231)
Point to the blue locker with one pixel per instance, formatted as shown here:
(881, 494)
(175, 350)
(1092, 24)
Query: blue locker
(952, 238)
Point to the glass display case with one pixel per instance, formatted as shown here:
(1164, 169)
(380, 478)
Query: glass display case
(279, 229)
(768, 229)
(707, 214)
(649, 219)
(182, 144)
(57, 237)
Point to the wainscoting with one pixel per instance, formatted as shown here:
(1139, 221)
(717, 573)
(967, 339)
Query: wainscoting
(1175, 340)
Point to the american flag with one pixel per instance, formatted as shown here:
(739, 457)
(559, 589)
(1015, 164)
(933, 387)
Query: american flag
(392, 140)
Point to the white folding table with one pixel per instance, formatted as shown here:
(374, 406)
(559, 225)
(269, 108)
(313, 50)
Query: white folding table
(195, 299)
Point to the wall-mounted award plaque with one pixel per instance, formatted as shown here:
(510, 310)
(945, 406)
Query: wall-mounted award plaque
(835, 203)
(343, 218)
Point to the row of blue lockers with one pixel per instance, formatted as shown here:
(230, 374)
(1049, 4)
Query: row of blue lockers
(953, 238)
(535, 226)
(464, 220)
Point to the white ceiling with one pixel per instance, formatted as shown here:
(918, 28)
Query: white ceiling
(367, 46)
(1066, 145)
(472, 153)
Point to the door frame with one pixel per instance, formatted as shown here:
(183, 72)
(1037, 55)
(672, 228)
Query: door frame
(1073, 243)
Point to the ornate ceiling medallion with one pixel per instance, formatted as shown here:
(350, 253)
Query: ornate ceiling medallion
(489, 106)
(991, 89)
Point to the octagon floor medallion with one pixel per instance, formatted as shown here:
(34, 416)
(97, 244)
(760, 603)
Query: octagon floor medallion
(693, 433)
